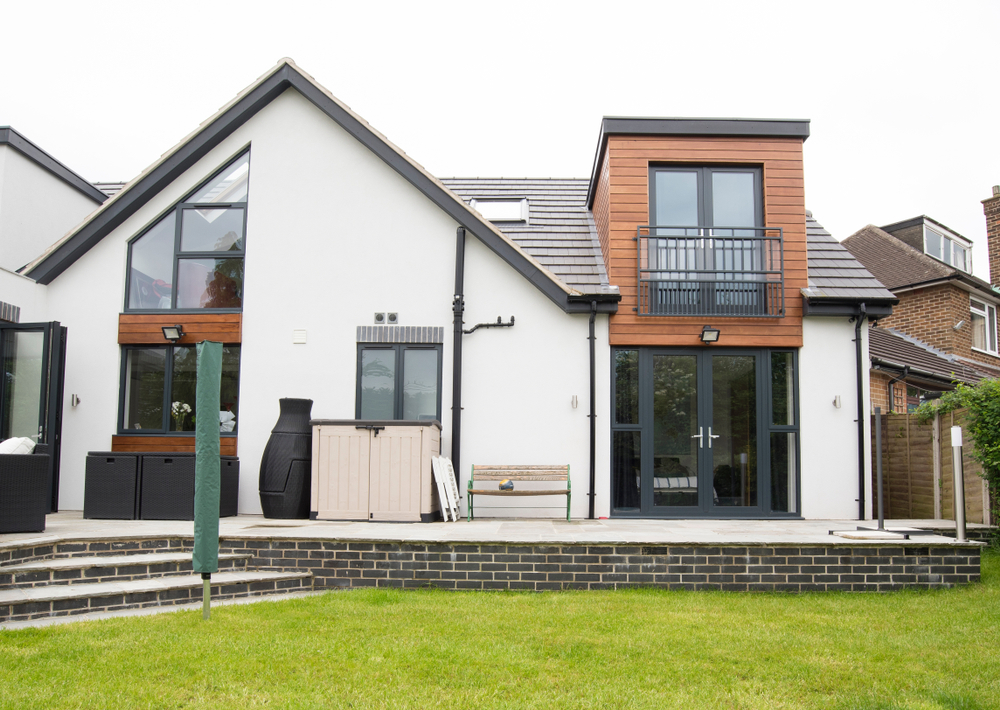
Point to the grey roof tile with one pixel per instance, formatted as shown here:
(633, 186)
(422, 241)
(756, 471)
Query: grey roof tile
(560, 231)
(891, 347)
(834, 272)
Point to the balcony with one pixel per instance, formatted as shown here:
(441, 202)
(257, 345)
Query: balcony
(710, 271)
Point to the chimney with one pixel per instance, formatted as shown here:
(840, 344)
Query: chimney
(991, 207)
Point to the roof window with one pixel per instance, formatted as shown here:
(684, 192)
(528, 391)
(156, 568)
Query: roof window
(514, 210)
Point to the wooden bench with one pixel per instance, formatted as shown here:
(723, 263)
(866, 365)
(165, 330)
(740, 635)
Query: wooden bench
(516, 474)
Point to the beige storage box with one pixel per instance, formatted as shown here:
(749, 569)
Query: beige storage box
(374, 470)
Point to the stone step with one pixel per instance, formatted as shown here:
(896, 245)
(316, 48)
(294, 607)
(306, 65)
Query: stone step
(94, 569)
(63, 600)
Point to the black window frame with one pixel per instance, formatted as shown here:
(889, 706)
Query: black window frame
(177, 210)
(399, 349)
(164, 430)
(705, 192)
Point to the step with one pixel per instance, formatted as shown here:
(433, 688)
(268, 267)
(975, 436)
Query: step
(62, 600)
(93, 569)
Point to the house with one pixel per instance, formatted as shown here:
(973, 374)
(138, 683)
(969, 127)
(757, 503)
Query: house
(674, 331)
(944, 328)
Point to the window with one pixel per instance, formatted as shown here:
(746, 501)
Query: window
(399, 382)
(502, 210)
(984, 326)
(159, 386)
(192, 258)
(705, 197)
(947, 249)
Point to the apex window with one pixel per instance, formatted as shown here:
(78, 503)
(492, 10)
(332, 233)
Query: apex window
(192, 257)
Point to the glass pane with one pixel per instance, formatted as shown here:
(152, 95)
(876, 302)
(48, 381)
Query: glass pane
(420, 383)
(145, 371)
(676, 205)
(216, 229)
(152, 269)
(378, 384)
(978, 322)
(23, 359)
(230, 186)
(733, 202)
(626, 460)
(734, 424)
(626, 387)
(783, 477)
(210, 283)
(675, 421)
(932, 243)
(959, 254)
(184, 389)
(782, 389)
(229, 392)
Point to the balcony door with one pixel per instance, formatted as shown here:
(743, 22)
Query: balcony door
(31, 389)
(688, 433)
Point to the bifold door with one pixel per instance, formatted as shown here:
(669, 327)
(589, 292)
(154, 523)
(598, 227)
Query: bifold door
(31, 389)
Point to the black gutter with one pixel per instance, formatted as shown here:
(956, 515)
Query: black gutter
(458, 307)
(8, 136)
(858, 320)
(593, 407)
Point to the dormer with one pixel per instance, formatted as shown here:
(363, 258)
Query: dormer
(935, 240)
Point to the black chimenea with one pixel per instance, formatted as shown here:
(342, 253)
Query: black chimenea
(286, 467)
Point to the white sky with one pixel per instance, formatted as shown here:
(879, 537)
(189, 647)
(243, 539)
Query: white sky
(903, 96)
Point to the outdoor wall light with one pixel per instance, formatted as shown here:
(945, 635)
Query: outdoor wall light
(173, 333)
(709, 334)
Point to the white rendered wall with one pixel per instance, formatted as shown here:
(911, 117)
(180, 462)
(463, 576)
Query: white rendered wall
(333, 236)
(827, 369)
(24, 293)
(36, 208)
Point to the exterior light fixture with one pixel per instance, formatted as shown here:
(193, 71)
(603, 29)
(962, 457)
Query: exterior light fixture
(709, 334)
(173, 333)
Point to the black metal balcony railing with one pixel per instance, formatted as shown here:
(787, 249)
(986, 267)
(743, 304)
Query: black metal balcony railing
(711, 271)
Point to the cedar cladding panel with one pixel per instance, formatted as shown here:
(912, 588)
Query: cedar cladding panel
(146, 328)
(168, 444)
(626, 163)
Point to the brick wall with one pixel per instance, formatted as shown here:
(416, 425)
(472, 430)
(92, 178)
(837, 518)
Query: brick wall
(991, 208)
(481, 566)
(880, 391)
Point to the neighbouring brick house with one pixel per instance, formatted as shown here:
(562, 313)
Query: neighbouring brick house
(944, 329)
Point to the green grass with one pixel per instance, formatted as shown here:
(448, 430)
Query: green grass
(625, 649)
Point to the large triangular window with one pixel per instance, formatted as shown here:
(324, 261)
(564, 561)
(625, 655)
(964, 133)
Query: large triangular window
(192, 257)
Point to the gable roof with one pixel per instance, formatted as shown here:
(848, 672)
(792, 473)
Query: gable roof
(834, 273)
(890, 349)
(898, 265)
(284, 75)
(10, 137)
(559, 233)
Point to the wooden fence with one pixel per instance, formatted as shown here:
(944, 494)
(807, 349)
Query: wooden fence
(917, 473)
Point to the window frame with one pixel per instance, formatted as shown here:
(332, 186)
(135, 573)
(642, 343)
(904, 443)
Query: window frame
(952, 244)
(168, 372)
(989, 314)
(706, 192)
(399, 349)
(177, 210)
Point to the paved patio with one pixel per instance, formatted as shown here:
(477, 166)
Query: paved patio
(72, 526)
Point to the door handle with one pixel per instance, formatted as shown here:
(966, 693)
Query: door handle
(700, 436)
(711, 436)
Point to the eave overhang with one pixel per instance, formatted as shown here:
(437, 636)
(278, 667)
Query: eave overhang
(10, 137)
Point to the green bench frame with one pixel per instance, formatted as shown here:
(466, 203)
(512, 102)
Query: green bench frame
(482, 473)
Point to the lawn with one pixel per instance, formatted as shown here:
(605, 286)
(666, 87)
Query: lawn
(624, 649)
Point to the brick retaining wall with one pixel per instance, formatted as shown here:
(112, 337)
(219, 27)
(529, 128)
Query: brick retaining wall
(459, 566)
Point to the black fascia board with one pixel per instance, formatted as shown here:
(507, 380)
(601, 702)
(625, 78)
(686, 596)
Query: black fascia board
(914, 221)
(968, 279)
(8, 136)
(875, 308)
(747, 127)
(239, 113)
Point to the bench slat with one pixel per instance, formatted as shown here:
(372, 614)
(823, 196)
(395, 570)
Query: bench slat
(519, 493)
(516, 477)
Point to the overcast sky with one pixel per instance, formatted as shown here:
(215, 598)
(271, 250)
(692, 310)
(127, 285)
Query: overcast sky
(903, 96)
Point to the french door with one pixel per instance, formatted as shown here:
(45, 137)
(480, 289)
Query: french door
(32, 358)
(695, 433)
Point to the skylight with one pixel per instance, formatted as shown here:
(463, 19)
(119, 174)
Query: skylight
(511, 210)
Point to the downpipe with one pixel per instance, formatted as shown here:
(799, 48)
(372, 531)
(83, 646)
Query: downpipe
(593, 407)
(458, 309)
(858, 320)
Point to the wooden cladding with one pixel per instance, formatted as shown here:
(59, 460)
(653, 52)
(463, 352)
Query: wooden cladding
(621, 204)
(176, 444)
(146, 328)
